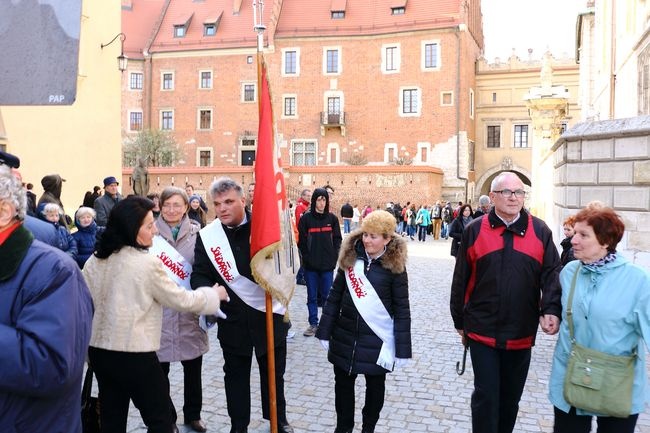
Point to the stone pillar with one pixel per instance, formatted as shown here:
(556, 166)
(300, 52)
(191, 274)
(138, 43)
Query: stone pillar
(547, 107)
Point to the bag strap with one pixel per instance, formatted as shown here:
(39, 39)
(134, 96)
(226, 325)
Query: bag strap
(87, 388)
(569, 308)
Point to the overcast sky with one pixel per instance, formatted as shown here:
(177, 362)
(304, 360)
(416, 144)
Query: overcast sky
(536, 24)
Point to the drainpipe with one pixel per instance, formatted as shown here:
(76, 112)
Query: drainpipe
(612, 72)
(458, 176)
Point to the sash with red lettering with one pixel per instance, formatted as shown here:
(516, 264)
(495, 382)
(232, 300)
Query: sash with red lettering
(373, 311)
(175, 265)
(220, 254)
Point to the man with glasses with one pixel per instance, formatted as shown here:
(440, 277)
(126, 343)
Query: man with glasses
(505, 283)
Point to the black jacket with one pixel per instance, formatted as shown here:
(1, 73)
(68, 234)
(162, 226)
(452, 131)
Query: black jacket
(319, 236)
(567, 251)
(354, 347)
(455, 232)
(504, 279)
(347, 211)
(244, 327)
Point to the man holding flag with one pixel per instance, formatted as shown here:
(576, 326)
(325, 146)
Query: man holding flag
(222, 254)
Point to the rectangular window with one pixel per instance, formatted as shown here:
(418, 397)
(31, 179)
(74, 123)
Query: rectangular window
(471, 103)
(303, 152)
(135, 81)
(290, 106)
(290, 62)
(332, 61)
(398, 11)
(494, 136)
(135, 121)
(338, 15)
(167, 81)
(204, 158)
(167, 120)
(179, 31)
(249, 92)
(391, 58)
(521, 136)
(205, 119)
(446, 98)
(206, 80)
(494, 97)
(209, 29)
(409, 101)
(430, 56)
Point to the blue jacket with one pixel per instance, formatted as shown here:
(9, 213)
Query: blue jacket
(611, 313)
(85, 238)
(426, 217)
(45, 325)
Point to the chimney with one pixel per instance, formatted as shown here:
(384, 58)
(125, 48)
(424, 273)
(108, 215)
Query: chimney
(236, 6)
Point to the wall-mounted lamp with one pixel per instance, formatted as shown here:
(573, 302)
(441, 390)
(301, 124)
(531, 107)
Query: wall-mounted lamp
(122, 60)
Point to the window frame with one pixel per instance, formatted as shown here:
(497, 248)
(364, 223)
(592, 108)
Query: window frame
(244, 85)
(517, 136)
(396, 58)
(491, 136)
(339, 62)
(130, 120)
(442, 98)
(198, 156)
(304, 142)
(199, 118)
(162, 81)
(286, 97)
(162, 119)
(204, 71)
(296, 70)
(423, 55)
(207, 26)
(388, 149)
(183, 30)
(418, 107)
(140, 81)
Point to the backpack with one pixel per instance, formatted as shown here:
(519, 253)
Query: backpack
(446, 215)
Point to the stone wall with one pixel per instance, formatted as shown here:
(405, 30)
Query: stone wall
(607, 161)
(363, 185)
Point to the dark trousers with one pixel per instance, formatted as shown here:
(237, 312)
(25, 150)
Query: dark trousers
(192, 389)
(124, 376)
(237, 369)
(422, 233)
(573, 423)
(344, 399)
(499, 378)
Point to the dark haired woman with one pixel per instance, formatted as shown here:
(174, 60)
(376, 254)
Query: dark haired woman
(611, 314)
(458, 225)
(129, 287)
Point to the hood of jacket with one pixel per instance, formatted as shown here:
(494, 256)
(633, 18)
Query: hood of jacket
(320, 192)
(52, 183)
(394, 259)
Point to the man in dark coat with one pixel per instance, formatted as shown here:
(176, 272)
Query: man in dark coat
(244, 327)
(105, 203)
(319, 241)
(346, 214)
(45, 325)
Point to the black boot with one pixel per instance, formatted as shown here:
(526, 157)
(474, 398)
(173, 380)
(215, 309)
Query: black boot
(367, 429)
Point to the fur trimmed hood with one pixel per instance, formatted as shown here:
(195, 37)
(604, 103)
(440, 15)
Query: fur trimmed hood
(394, 259)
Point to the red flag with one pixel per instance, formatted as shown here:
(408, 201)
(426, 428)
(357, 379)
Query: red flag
(273, 252)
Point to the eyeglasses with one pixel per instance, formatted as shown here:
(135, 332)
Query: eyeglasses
(174, 206)
(507, 193)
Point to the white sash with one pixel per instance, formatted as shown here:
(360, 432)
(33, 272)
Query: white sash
(373, 311)
(220, 254)
(175, 265)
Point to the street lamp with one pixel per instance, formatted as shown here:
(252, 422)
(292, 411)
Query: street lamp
(122, 60)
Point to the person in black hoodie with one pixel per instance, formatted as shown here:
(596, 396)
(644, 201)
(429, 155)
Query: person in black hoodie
(319, 243)
(567, 249)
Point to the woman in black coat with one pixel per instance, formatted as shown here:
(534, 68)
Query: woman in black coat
(458, 225)
(349, 327)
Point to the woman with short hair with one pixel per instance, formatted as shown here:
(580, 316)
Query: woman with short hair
(610, 313)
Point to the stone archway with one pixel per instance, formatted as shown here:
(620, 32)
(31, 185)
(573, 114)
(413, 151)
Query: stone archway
(483, 182)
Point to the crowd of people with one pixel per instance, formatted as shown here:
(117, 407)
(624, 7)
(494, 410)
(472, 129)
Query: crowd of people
(138, 283)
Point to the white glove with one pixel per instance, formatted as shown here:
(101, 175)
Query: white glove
(220, 314)
(325, 344)
(401, 362)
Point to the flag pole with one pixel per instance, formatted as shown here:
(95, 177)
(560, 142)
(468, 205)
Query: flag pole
(258, 18)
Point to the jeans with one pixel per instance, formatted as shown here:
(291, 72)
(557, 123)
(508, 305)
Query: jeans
(346, 225)
(422, 233)
(444, 232)
(499, 378)
(317, 282)
(411, 230)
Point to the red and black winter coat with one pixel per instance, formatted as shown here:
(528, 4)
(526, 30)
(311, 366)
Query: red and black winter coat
(354, 347)
(505, 278)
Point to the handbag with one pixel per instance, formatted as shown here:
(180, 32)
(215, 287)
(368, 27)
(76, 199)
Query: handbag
(597, 382)
(89, 405)
(419, 220)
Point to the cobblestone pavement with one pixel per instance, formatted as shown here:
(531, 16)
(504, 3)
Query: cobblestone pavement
(427, 396)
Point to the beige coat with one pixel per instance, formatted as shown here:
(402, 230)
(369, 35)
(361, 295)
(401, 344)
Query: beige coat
(129, 290)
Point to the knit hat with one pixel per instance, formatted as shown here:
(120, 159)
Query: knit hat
(380, 222)
(194, 197)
